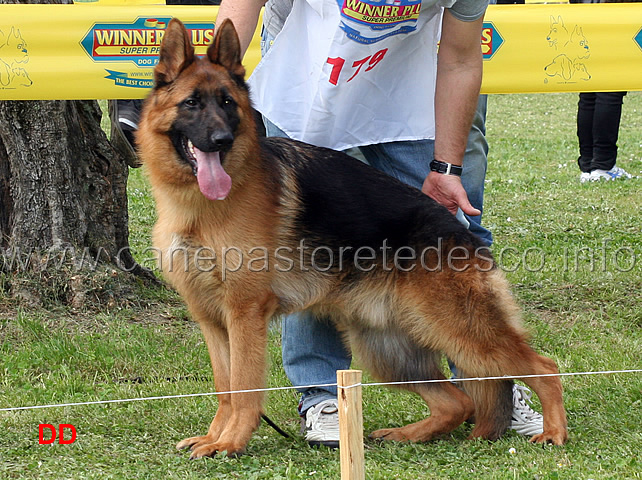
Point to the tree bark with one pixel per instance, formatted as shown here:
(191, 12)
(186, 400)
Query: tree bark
(65, 183)
(63, 187)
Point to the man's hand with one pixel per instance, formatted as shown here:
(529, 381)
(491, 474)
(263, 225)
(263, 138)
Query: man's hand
(448, 191)
(459, 73)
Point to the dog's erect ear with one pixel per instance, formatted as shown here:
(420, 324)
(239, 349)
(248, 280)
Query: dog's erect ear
(226, 50)
(176, 53)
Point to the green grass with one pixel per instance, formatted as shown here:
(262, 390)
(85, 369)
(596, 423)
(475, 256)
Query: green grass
(587, 317)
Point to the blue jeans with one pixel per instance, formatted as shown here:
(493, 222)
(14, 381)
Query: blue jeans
(312, 349)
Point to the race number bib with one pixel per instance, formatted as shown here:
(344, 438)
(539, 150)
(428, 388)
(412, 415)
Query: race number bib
(352, 72)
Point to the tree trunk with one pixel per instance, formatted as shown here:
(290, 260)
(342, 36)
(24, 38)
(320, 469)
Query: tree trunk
(65, 184)
(63, 190)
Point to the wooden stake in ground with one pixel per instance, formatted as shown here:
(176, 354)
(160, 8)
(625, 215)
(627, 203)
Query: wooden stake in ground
(350, 425)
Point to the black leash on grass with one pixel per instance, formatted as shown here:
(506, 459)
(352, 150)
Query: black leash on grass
(274, 426)
(175, 379)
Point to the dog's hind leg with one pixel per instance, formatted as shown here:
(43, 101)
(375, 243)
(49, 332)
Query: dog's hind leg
(483, 336)
(500, 348)
(449, 408)
(392, 356)
(521, 359)
(549, 391)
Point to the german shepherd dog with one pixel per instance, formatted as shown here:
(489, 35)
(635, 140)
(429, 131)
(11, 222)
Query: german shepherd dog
(252, 227)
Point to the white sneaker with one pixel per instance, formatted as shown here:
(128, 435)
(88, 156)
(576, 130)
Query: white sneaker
(614, 173)
(585, 177)
(525, 421)
(322, 424)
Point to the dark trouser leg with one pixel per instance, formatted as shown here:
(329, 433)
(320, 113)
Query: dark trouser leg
(606, 125)
(585, 113)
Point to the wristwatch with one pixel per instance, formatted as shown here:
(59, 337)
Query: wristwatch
(445, 168)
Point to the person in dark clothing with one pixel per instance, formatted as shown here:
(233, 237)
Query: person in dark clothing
(598, 125)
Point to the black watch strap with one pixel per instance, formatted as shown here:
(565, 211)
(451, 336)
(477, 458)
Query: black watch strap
(445, 168)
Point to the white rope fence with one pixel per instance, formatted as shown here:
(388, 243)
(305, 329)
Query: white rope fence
(272, 389)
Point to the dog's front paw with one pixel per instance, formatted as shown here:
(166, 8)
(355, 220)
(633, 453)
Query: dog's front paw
(389, 434)
(196, 442)
(556, 437)
(206, 446)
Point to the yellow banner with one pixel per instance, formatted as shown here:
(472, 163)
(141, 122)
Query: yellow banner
(563, 48)
(107, 48)
(97, 51)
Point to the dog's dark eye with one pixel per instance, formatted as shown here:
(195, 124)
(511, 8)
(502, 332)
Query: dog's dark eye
(227, 100)
(191, 102)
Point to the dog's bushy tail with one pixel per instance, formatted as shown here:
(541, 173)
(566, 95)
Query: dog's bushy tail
(493, 401)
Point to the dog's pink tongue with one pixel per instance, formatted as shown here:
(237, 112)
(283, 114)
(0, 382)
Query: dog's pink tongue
(214, 183)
